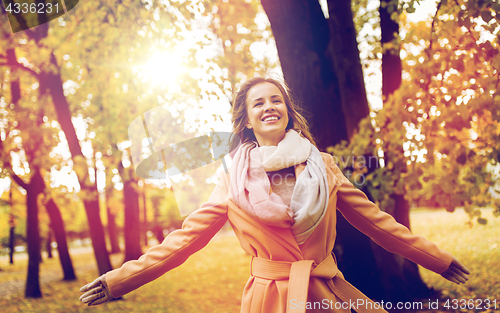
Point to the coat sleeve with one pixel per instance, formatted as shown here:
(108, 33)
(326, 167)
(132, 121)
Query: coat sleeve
(383, 228)
(197, 230)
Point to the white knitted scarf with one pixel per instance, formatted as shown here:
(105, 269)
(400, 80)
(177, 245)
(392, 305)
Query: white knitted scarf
(250, 186)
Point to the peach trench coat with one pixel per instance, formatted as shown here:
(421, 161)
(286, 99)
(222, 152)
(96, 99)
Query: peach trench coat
(278, 281)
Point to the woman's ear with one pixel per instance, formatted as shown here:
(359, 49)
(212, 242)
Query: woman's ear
(249, 126)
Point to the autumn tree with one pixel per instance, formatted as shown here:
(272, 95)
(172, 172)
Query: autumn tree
(63, 70)
(25, 133)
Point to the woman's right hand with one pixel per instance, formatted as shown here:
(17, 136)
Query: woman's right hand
(456, 272)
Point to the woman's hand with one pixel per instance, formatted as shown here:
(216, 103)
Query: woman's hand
(96, 292)
(456, 272)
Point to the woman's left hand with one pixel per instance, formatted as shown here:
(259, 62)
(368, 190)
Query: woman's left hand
(96, 292)
(456, 272)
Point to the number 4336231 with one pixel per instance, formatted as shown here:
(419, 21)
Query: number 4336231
(472, 304)
(40, 8)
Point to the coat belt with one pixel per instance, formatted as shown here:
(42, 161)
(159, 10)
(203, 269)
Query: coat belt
(298, 274)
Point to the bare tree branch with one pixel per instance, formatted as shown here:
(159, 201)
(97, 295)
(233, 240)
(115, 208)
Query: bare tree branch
(22, 67)
(434, 23)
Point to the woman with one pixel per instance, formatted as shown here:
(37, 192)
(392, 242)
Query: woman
(281, 199)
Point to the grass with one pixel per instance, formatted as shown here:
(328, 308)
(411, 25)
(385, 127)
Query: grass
(476, 246)
(213, 279)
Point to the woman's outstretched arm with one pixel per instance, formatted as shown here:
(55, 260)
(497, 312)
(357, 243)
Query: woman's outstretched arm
(392, 236)
(196, 232)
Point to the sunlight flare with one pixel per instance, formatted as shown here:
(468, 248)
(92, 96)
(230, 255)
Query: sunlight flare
(162, 69)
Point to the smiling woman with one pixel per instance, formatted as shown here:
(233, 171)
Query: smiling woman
(161, 69)
(281, 197)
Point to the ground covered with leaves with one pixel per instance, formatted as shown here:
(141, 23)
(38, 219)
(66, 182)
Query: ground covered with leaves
(474, 245)
(213, 279)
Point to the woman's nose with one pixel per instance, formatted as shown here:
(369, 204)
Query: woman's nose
(269, 106)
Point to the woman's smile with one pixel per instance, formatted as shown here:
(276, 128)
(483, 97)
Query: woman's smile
(270, 118)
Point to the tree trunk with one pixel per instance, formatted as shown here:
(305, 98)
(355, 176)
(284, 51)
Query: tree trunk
(343, 50)
(111, 212)
(132, 231)
(11, 245)
(57, 225)
(144, 214)
(48, 244)
(113, 232)
(15, 88)
(158, 227)
(12, 227)
(391, 62)
(35, 188)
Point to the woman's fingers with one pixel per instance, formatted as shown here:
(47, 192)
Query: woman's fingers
(460, 270)
(91, 285)
(91, 298)
(96, 292)
(91, 292)
(460, 274)
(99, 301)
(460, 266)
(450, 278)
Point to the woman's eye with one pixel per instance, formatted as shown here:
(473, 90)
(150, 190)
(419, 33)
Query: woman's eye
(257, 104)
(277, 101)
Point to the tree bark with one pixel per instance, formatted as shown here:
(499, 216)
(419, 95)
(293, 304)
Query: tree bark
(11, 244)
(12, 227)
(158, 227)
(144, 214)
(48, 244)
(343, 50)
(113, 232)
(33, 190)
(391, 62)
(112, 229)
(132, 233)
(57, 225)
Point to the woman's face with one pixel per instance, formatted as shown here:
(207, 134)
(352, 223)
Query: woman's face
(267, 113)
